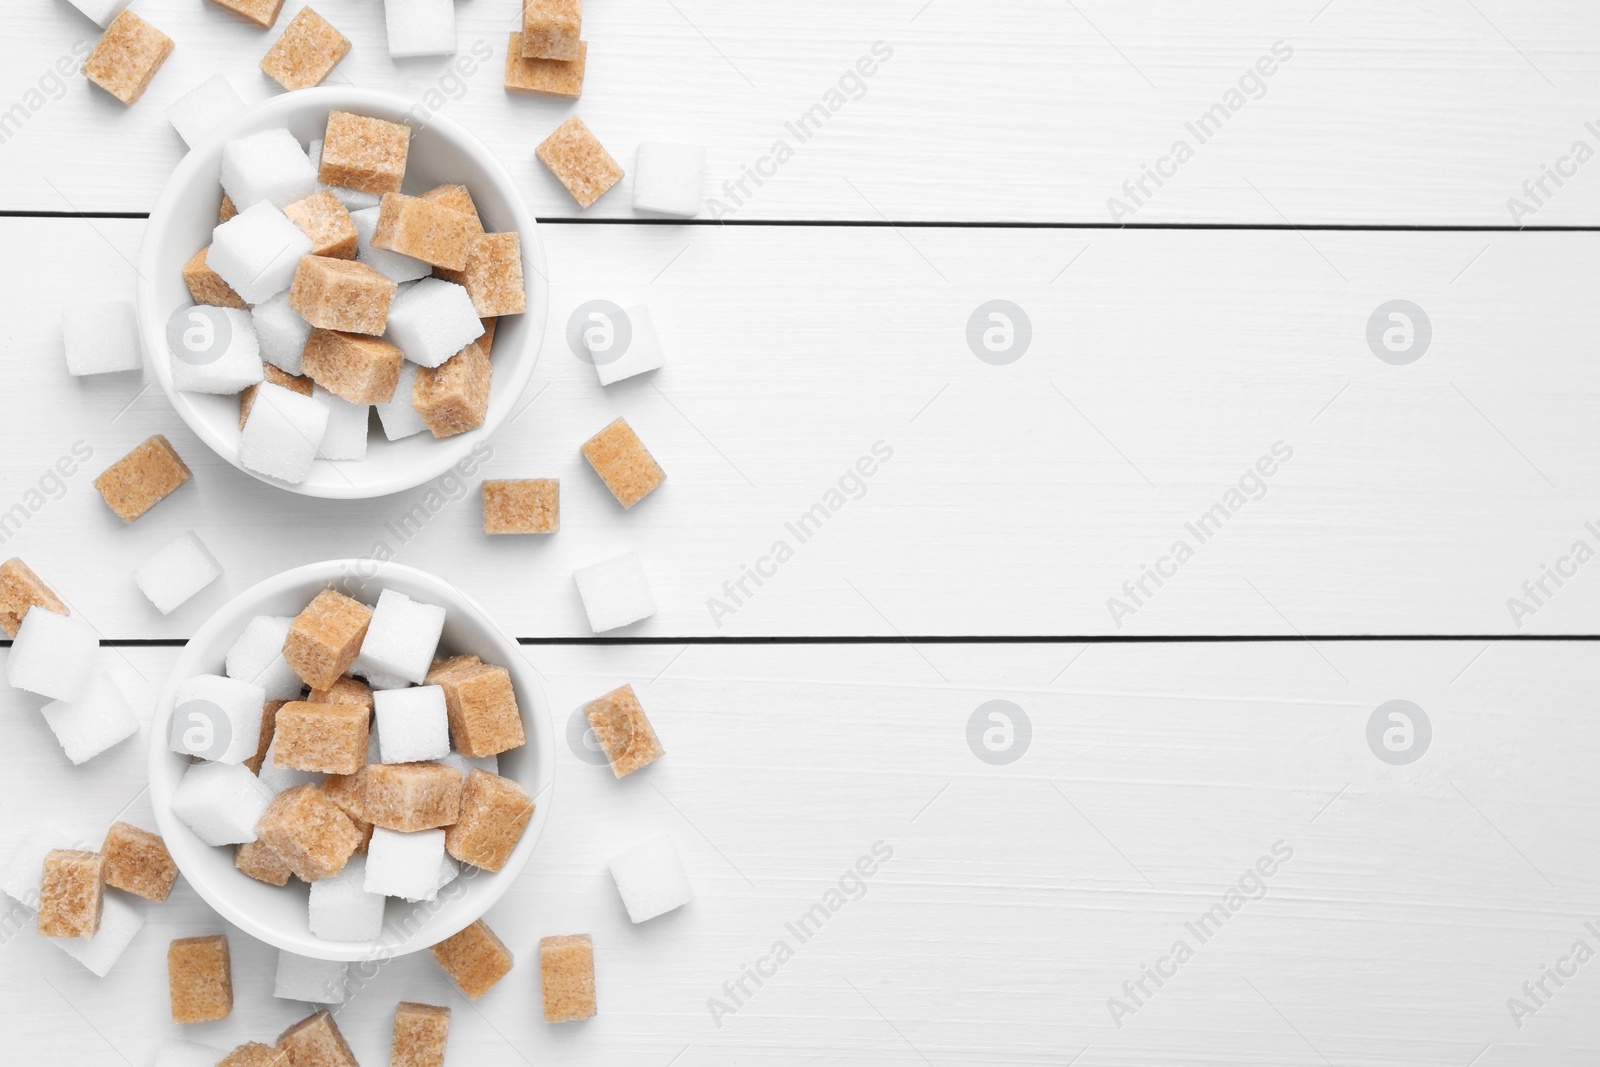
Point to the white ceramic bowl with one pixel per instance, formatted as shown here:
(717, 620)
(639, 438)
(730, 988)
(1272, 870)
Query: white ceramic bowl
(278, 915)
(441, 151)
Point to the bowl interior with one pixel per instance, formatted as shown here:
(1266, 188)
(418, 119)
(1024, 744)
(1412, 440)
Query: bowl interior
(276, 915)
(441, 152)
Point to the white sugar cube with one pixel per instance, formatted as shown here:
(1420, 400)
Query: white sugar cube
(615, 592)
(398, 417)
(101, 11)
(404, 865)
(120, 920)
(268, 166)
(25, 869)
(186, 1054)
(642, 354)
(313, 981)
(257, 657)
(449, 870)
(278, 778)
(177, 572)
(378, 682)
(221, 802)
(52, 655)
(100, 338)
(465, 765)
(346, 436)
(204, 108)
(669, 178)
(420, 27)
(416, 727)
(257, 251)
(219, 354)
(282, 433)
(392, 265)
(217, 718)
(352, 199)
(98, 719)
(401, 638)
(340, 907)
(651, 879)
(432, 321)
(281, 333)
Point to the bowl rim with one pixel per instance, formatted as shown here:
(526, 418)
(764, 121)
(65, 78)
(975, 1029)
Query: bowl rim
(446, 452)
(180, 840)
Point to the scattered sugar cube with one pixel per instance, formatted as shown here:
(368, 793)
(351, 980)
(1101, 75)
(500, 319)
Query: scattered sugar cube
(550, 29)
(454, 397)
(308, 832)
(420, 1031)
(412, 796)
(356, 368)
(475, 959)
(420, 27)
(200, 978)
(185, 1054)
(255, 1054)
(137, 862)
(21, 590)
(465, 765)
(346, 690)
(313, 981)
(623, 731)
(225, 357)
(566, 974)
(326, 221)
(71, 889)
(544, 77)
(261, 863)
(342, 910)
(425, 229)
(342, 294)
(392, 265)
(100, 338)
(317, 1042)
(414, 725)
(127, 56)
(256, 657)
(177, 572)
(578, 160)
(52, 655)
(217, 718)
(493, 275)
(261, 12)
(346, 436)
(257, 252)
(331, 738)
(206, 285)
(276, 776)
(266, 166)
(642, 354)
(482, 705)
(101, 11)
(325, 638)
(204, 108)
(669, 178)
(521, 506)
(142, 479)
(398, 417)
(120, 921)
(221, 802)
(651, 879)
(615, 592)
(282, 433)
(99, 718)
(494, 813)
(363, 153)
(281, 333)
(623, 463)
(23, 872)
(404, 865)
(432, 321)
(306, 53)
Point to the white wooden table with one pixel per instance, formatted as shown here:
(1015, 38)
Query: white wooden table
(825, 313)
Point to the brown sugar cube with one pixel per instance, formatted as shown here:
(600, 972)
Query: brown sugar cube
(481, 705)
(623, 463)
(341, 294)
(261, 863)
(550, 29)
(137, 862)
(454, 663)
(22, 590)
(324, 638)
(142, 479)
(624, 733)
(71, 888)
(578, 160)
(127, 56)
(494, 813)
(419, 1035)
(349, 791)
(425, 230)
(453, 397)
(331, 738)
(493, 275)
(456, 198)
(475, 959)
(322, 218)
(316, 1042)
(486, 342)
(261, 12)
(364, 153)
(362, 370)
(306, 53)
(255, 1054)
(292, 382)
(412, 796)
(206, 285)
(566, 972)
(228, 210)
(346, 690)
(546, 77)
(200, 979)
(309, 832)
(522, 506)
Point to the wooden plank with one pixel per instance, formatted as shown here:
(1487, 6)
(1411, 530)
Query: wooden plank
(1382, 112)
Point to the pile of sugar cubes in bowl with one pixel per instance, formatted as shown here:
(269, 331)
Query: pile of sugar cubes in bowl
(327, 292)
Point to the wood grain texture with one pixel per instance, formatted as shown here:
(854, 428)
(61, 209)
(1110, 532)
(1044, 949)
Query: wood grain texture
(1028, 111)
